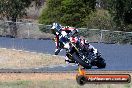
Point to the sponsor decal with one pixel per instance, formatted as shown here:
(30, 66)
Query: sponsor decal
(83, 78)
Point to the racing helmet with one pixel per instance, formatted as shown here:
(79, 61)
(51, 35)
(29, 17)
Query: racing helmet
(56, 28)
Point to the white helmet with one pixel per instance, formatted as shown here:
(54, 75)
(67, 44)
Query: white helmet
(56, 27)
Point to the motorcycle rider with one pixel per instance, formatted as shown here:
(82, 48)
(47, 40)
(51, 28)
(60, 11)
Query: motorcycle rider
(63, 35)
(62, 38)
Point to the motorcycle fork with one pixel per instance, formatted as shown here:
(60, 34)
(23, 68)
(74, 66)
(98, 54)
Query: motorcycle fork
(69, 56)
(75, 47)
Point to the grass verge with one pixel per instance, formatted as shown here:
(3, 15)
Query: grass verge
(19, 59)
(58, 84)
(48, 80)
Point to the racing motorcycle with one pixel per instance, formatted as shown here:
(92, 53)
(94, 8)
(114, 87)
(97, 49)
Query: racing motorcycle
(80, 54)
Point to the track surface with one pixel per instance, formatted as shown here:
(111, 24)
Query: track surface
(118, 57)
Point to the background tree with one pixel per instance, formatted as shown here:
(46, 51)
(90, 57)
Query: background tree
(39, 3)
(13, 9)
(101, 19)
(121, 11)
(103, 4)
(67, 12)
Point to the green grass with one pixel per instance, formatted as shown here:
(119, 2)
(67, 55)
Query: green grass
(15, 84)
(57, 84)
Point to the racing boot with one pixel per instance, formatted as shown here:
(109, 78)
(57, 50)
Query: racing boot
(57, 51)
(67, 60)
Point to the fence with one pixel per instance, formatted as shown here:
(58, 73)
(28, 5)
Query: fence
(106, 36)
(41, 31)
(21, 30)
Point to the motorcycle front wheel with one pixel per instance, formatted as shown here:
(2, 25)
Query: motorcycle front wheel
(80, 61)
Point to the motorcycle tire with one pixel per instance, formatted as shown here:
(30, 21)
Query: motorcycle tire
(101, 63)
(80, 61)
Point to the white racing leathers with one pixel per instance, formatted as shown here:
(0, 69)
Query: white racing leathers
(64, 39)
(95, 51)
(64, 42)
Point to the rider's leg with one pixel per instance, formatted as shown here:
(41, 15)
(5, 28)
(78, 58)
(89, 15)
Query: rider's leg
(95, 51)
(69, 58)
(66, 45)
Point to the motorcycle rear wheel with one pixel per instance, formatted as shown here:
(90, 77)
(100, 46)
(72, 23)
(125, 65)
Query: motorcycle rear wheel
(101, 63)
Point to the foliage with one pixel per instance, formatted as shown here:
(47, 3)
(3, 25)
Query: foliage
(100, 19)
(13, 9)
(103, 4)
(121, 10)
(117, 37)
(67, 12)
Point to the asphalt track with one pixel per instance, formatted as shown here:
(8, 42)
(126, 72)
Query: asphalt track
(118, 57)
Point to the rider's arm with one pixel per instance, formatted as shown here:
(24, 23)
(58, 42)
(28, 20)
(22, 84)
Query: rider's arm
(73, 32)
(57, 50)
